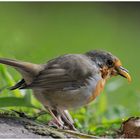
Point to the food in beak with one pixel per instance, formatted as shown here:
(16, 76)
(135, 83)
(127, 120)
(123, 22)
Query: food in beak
(123, 72)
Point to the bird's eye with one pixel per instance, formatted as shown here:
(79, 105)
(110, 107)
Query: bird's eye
(110, 63)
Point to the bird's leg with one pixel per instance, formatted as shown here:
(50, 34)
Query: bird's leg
(58, 122)
(68, 116)
(67, 119)
(61, 118)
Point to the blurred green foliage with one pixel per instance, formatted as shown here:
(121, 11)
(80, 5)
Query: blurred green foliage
(39, 31)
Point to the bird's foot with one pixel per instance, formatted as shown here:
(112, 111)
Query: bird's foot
(70, 127)
(55, 124)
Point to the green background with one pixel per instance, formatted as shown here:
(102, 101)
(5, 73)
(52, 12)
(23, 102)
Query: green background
(39, 31)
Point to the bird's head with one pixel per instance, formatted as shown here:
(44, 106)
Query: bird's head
(109, 64)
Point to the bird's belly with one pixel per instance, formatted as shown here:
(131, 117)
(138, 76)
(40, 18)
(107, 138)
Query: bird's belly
(70, 98)
(65, 99)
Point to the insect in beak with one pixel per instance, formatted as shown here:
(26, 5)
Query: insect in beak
(123, 72)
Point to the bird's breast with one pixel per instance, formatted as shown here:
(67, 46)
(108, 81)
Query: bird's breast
(97, 90)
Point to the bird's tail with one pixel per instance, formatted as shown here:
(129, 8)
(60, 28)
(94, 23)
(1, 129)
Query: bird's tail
(26, 69)
(25, 66)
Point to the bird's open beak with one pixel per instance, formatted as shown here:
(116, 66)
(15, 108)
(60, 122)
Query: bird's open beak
(123, 72)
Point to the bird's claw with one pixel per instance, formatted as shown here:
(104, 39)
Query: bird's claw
(54, 124)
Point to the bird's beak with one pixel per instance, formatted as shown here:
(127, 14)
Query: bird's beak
(123, 72)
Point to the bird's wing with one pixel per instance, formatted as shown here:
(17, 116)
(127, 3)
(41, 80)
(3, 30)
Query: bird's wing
(64, 73)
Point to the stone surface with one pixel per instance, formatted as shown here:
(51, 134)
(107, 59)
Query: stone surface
(13, 128)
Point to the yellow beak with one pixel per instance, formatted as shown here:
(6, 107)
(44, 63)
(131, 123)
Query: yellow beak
(123, 72)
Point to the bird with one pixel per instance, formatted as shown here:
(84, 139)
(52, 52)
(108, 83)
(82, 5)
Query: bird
(68, 81)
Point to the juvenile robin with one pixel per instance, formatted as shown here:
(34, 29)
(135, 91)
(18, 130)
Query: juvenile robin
(68, 81)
